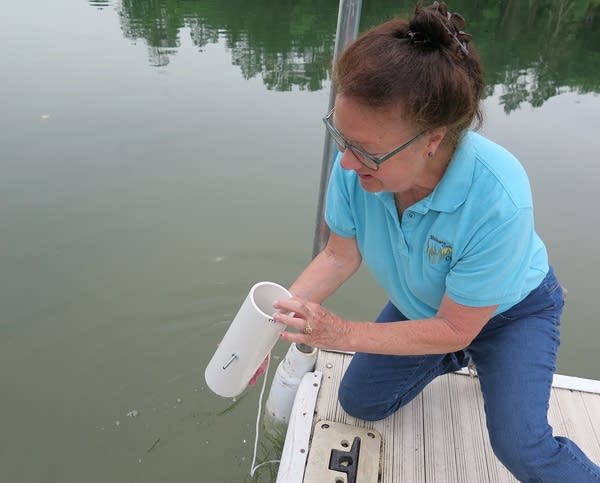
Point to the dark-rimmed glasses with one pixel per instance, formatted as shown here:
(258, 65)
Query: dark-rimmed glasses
(370, 161)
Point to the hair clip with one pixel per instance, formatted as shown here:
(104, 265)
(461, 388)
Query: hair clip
(462, 45)
(417, 38)
(453, 18)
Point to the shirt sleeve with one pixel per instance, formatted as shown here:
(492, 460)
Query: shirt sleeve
(492, 267)
(339, 213)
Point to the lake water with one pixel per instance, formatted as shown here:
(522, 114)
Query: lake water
(159, 157)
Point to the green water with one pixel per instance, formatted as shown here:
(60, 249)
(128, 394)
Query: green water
(159, 157)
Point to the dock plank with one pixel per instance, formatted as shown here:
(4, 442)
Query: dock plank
(440, 457)
(441, 435)
(592, 406)
(578, 422)
(555, 417)
(405, 433)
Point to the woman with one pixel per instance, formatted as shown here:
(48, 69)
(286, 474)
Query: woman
(443, 218)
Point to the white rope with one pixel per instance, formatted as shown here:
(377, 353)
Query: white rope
(260, 398)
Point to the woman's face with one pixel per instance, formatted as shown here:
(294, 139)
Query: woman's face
(378, 132)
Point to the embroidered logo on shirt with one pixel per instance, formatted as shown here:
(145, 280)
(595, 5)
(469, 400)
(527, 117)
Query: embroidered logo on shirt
(438, 250)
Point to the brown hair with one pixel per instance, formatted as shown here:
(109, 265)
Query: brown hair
(427, 66)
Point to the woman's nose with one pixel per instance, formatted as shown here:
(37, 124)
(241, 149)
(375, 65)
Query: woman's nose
(349, 161)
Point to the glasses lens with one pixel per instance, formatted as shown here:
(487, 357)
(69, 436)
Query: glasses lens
(343, 145)
(369, 163)
(339, 140)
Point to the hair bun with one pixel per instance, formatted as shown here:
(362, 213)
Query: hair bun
(436, 27)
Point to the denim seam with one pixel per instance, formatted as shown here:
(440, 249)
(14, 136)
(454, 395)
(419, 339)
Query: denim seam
(435, 371)
(582, 463)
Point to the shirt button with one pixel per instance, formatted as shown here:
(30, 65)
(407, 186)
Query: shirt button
(411, 214)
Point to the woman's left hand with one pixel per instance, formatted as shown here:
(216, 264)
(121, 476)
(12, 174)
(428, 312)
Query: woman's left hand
(317, 326)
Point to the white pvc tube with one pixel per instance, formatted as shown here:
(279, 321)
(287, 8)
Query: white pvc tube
(285, 384)
(250, 337)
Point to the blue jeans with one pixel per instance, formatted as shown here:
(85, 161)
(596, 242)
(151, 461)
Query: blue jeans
(515, 355)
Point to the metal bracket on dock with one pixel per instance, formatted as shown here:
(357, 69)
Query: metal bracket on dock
(346, 461)
(340, 453)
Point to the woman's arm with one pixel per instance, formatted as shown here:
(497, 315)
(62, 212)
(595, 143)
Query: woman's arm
(324, 274)
(451, 329)
(328, 270)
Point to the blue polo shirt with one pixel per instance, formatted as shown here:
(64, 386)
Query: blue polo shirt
(472, 237)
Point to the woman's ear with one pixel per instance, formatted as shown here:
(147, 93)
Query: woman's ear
(434, 138)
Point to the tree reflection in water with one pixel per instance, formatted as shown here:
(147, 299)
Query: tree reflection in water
(531, 50)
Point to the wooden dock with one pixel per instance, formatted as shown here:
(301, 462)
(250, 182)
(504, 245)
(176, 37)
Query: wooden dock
(440, 436)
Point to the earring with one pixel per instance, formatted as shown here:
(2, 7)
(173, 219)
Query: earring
(430, 155)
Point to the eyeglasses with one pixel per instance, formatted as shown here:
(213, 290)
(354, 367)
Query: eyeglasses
(365, 158)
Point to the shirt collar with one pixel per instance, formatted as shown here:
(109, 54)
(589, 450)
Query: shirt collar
(452, 190)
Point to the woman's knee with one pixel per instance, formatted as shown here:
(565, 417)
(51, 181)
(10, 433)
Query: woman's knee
(365, 404)
(375, 386)
(523, 452)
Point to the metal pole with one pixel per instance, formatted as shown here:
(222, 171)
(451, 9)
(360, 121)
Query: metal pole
(347, 30)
